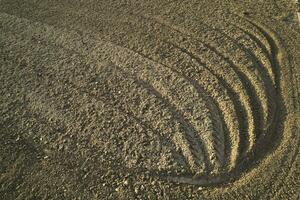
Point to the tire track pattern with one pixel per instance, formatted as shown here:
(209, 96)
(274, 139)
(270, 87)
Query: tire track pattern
(212, 94)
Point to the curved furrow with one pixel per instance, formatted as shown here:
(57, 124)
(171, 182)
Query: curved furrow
(47, 60)
(243, 58)
(164, 129)
(251, 68)
(212, 132)
(189, 143)
(199, 75)
(247, 26)
(217, 63)
(209, 102)
(276, 48)
(277, 55)
(205, 78)
(218, 145)
(254, 45)
(207, 81)
(234, 137)
(209, 131)
(250, 41)
(192, 145)
(254, 54)
(233, 85)
(197, 110)
(224, 106)
(211, 86)
(266, 86)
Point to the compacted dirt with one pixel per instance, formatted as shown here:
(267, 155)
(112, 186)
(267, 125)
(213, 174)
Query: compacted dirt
(149, 99)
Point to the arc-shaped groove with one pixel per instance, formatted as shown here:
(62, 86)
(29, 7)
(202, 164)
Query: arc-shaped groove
(260, 93)
(195, 122)
(192, 140)
(108, 101)
(240, 100)
(160, 128)
(209, 131)
(266, 77)
(251, 67)
(195, 81)
(223, 104)
(219, 146)
(245, 83)
(235, 134)
(277, 55)
(275, 46)
(266, 87)
(249, 28)
(189, 142)
(275, 59)
(251, 41)
(270, 88)
(235, 145)
(253, 94)
(216, 122)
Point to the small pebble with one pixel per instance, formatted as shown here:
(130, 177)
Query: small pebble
(126, 182)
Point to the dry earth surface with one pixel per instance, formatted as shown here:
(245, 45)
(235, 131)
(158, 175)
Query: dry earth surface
(137, 99)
